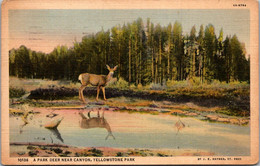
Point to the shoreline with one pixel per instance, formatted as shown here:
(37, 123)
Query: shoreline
(122, 104)
(58, 150)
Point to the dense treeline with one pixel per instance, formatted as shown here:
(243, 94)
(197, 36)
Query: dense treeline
(144, 52)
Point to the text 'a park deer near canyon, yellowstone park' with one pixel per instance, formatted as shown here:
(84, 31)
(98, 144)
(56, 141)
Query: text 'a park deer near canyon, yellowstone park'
(95, 80)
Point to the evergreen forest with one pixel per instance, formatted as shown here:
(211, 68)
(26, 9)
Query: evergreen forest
(144, 52)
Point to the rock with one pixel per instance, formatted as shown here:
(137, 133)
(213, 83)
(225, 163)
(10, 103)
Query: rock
(51, 115)
(191, 114)
(154, 105)
(142, 109)
(33, 153)
(244, 121)
(16, 111)
(20, 153)
(234, 121)
(122, 108)
(97, 103)
(223, 120)
(54, 123)
(111, 109)
(57, 150)
(116, 108)
(167, 103)
(119, 154)
(67, 152)
(106, 109)
(39, 138)
(212, 117)
(30, 147)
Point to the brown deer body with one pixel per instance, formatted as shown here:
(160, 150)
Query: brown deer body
(95, 122)
(95, 80)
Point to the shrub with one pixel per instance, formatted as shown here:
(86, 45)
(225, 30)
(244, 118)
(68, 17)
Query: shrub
(16, 92)
(139, 86)
(194, 81)
(132, 86)
(237, 84)
(120, 83)
(176, 84)
(154, 86)
(119, 154)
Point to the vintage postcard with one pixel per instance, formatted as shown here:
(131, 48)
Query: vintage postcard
(129, 82)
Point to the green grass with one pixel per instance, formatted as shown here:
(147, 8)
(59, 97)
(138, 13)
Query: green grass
(16, 92)
(234, 96)
(234, 112)
(215, 89)
(139, 111)
(44, 103)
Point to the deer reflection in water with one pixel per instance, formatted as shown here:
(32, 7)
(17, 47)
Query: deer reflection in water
(95, 122)
(179, 125)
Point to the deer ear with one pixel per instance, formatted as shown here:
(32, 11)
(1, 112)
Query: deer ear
(115, 67)
(108, 67)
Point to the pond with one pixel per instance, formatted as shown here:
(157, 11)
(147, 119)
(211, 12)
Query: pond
(132, 130)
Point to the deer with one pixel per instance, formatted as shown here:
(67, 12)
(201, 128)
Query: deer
(95, 122)
(95, 80)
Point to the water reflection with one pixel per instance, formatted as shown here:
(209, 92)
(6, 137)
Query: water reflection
(56, 133)
(52, 126)
(24, 119)
(133, 131)
(21, 127)
(179, 125)
(95, 122)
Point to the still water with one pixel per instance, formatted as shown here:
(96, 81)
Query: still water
(133, 130)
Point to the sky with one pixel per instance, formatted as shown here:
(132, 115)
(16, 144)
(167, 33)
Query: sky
(43, 30)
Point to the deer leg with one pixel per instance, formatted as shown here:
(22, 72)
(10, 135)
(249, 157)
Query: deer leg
(104, 94)
(98, 89)
(81, 93)
(98, 114)
(103, 114)
(82, 115)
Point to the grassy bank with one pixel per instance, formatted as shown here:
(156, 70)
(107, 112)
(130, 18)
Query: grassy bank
(234, 98)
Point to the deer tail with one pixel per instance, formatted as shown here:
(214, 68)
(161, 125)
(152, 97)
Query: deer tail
(80, 78)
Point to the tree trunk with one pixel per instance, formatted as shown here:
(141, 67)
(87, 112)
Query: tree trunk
(119, 57)
(136, 62)
(193, 64)
(160, 60)
(140, 68)
(168, 66)
(152, 62)
(129, 67)
(204, 69)
(168, 60)
(156, 69)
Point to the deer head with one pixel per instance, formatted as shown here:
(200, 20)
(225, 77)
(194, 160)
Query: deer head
(111, 71)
